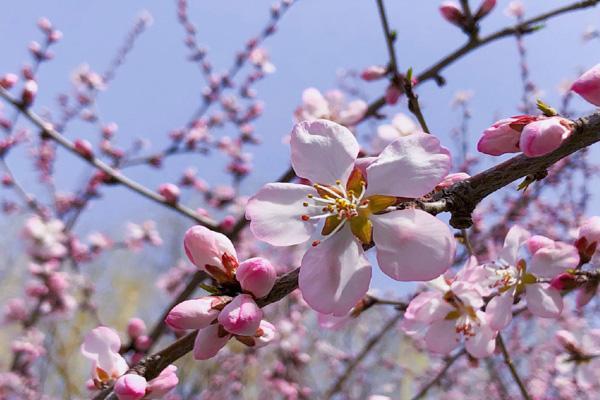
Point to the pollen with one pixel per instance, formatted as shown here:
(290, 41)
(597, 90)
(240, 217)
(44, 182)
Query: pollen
(305, 217)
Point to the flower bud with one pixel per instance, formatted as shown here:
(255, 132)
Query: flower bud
(30, 89)
(170, 192)
(392, 94)
(590, 230)
(242, 316)
(544, 136)
(136, 327)
(265, 334)
(257, 276)
(452, 13)
(485, 8)
(373, 73)
(163, 383)
(503, 136)
(564, 281)
(586, 293)
(211, 251)
(130, 387)
(8, 81)
(588, 85)
(84, 148)
(196, 313)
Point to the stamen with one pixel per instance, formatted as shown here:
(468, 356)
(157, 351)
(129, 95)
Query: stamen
(326, 189)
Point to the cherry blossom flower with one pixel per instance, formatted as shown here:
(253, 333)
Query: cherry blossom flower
(544, 136)
(581, 358)
(46, 239)
(511, 275)
(335, 273)
(401, 125)
(504, 135)
(331, 106)
(101, 346)
(449, 312)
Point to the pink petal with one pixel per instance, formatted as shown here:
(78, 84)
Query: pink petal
(500, 138)
(275, 214)
(549, 262)
(588, 85)
(163, 383)
(543, 301)
(412, 245)
(427, 307)
(101, 345)
(483, 343)
(242, 316)
(205, 247)
(515, 238)
(323, 151)
(193, 314)
(257, 276)
(411, 166)
(269, 333)
(441, 337)
(542, 137)
(130, 387)
(208, 343)
(335, 275)
(499, 310)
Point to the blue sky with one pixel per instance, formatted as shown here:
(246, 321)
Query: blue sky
(157, 89)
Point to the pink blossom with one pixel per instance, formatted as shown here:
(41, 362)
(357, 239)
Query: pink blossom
(241, 316)
(485, 8)
(265, 334)
(452, 13)
(448, 313)
(588, 85)
(579, 362)
(401, 125)
(84, 148)
(30, 89)
(332, 106)
(451, 179)
(373, 73)
(8, 81)
(257, 276)
(515, 9)
(130, 387)
(46, 239)
(260, 58)
(136, 327)
(504, 135)
(197, 313)
(392, 94)
(511, 275)
(335, 272)
(209, 341)
(161, 385)
(101, 346)
(544, 136)
(170, 192)
(212, 252)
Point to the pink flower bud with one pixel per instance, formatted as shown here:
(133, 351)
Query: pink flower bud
(8, 81)
(211, 251)
(84, 148)
(44, 24)
(30, 89)
(452, 13)
(451, 179)
(55, 36)
(538, 242)
(588, 85)
(142, 342)
(195, 314)
(257, 276)
(163, 383)
(130, 387)
(590, 230)
(392, 94)
(136, 327)
(227, 223)
(373, 73)
(503, 136)
(170, 192)
(564, 281)
(544, 136)
(585, 294)
(485, 8)
(242, 316)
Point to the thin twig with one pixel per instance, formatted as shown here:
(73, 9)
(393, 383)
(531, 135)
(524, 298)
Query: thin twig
(436, 379)
(511, 367)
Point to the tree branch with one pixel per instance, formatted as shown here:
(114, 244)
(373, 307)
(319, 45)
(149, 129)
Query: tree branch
(511, 367)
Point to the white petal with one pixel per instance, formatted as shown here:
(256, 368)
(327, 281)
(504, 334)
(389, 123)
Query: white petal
(410, 166)
(515, 238)
(499, 310)
(483, 343)
(323, 151)
(441, 337)
(275, 214)
(412, 245)
(549, 262)
(543, 301)
(335, 275)
(208, 343)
